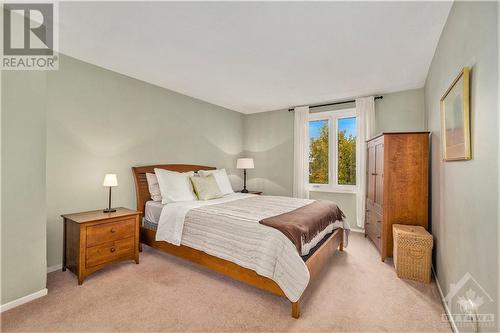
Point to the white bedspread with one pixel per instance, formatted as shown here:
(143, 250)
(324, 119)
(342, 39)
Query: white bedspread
(229, 228)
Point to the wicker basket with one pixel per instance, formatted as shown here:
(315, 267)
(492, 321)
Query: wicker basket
(412, 252)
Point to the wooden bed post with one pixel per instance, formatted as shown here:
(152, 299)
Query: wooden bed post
(296, 310)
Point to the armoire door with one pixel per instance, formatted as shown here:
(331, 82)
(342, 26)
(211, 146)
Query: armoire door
(370, 181)
(379, 176)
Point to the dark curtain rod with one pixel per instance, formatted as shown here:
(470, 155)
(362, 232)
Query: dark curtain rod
(336, 103)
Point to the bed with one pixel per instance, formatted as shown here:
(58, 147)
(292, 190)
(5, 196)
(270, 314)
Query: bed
(304, 268)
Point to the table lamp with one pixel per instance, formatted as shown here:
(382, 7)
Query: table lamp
(244, 163)
(110, 181)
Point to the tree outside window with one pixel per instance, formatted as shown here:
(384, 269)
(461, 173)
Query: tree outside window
(347, 151)
(320, 156)
(318, 152)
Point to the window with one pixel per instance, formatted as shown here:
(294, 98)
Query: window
(346, 147)
(319, 151)
(332, 151)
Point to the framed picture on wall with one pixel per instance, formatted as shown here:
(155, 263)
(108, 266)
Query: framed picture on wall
(455, 122)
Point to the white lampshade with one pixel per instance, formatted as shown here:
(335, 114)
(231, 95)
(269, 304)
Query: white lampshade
(110, 180)
(244, 163)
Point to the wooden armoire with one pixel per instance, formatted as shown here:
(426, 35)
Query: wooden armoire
(397, 185)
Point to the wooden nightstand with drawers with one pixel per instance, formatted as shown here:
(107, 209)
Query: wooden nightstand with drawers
(92, 240)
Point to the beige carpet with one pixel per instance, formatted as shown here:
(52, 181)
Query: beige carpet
(357, 292)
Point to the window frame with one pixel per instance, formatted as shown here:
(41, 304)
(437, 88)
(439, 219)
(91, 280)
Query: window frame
(333, 117)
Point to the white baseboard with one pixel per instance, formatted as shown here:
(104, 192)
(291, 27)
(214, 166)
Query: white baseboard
(54, 268)
(445, 304)
(22, 300)
(360, 231)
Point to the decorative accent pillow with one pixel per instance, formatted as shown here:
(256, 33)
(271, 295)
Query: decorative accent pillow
(175, 186)
(154, 188)
(206, 188)
(221, 178)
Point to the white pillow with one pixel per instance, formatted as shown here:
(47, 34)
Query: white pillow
(221, 178)
(175, 186)
(154, 188)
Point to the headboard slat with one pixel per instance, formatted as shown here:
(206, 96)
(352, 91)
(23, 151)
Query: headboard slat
(141, 183)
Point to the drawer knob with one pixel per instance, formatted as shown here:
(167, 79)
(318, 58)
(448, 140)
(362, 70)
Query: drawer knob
(112, 249)
(378, 237)
(366, 223)
(379, 221)
(113, 230)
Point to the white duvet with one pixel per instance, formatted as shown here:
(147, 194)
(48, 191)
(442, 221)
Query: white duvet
(229, 228)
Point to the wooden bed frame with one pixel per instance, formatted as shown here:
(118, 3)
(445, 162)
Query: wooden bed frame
(314, 263)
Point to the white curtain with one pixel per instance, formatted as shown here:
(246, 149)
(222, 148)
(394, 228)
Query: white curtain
(365, 113)
(300, 150)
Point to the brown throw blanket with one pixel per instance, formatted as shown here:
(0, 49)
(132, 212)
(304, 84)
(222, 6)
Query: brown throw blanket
(306, 222)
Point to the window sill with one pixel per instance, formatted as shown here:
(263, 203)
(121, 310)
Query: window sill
(333, 190)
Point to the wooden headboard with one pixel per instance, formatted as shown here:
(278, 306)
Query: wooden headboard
(141, 183)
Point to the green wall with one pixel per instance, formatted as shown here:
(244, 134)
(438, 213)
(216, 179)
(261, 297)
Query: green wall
(400, 111)
(465, 219)
(99, 121)
(268, 138)
(23, 232)
(23, 178)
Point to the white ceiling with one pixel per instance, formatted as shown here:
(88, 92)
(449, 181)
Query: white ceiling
(256, 56)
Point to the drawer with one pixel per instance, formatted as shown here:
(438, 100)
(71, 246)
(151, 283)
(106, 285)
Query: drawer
(373, 221)
(373, 231)
(377, 220)
(109, 251)
(107, 232)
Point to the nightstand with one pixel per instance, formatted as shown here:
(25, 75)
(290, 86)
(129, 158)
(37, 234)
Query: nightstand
(92, 240)
(252, 192)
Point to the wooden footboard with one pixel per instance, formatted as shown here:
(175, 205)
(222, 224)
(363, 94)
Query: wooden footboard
(318, 260)
(315, 263)
(213, 263)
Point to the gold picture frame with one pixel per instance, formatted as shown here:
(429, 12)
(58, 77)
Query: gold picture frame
(455, 119)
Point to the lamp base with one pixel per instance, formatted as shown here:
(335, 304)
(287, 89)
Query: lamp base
(244, 190)
(109, 210)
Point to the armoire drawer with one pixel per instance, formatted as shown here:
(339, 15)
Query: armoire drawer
(373, 218)
(377, 219)
(373, 231)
